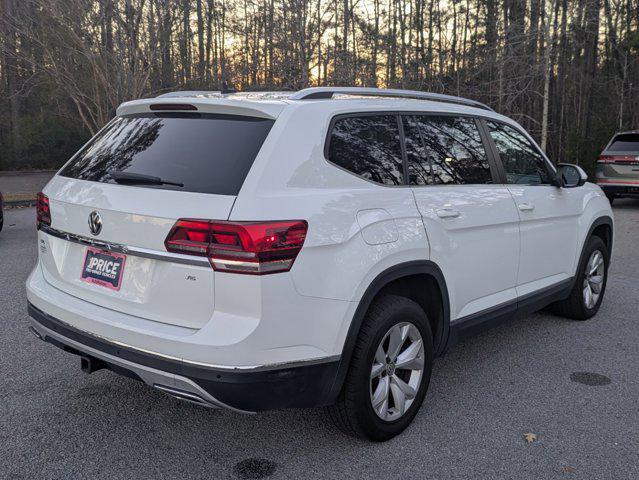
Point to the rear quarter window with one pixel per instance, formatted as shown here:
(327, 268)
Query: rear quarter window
(206, 153)
(368, 146)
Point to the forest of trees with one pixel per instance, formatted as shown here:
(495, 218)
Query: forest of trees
(567, 70)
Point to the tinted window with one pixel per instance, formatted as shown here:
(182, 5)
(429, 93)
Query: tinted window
(368, 146)
(419, 165)
(627, 142)
(451, 150)
(522, 162)
(207, 153)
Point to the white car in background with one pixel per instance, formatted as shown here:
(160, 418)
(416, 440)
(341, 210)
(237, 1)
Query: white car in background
(260, 251)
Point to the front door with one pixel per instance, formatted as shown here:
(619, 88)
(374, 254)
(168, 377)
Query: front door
(548, 214)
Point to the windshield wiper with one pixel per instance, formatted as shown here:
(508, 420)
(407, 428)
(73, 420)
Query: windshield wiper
(140, 179)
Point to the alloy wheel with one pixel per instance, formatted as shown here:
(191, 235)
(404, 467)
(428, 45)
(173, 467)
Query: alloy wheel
(593, 279)
(397, 371)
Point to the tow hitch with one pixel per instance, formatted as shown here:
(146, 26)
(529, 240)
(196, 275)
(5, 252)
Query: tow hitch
(91, 364)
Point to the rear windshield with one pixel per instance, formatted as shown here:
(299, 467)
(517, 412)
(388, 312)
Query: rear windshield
(206, 153)
(626, 142)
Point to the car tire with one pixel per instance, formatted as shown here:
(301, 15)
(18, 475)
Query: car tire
(576, 306)
(354, 413)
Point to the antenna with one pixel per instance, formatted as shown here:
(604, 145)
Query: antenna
(226, 89)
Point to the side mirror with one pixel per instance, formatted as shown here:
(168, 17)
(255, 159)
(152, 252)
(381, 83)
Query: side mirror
(570, 176)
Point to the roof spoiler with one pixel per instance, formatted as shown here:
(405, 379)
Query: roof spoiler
(216, 105)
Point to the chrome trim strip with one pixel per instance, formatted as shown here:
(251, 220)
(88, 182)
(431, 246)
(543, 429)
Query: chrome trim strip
(119, 248)
(222, 264)
(169, 257)
(252, 368)
(185, 396)
(149, 375)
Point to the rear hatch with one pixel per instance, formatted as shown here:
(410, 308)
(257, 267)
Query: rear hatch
(619, 162)
(136, 178)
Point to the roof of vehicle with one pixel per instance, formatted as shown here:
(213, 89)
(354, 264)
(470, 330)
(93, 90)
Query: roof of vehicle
(335, 99)
(626, 132)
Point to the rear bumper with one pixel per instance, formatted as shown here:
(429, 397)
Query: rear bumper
(620, 189)
(255, 323)
(299, 385)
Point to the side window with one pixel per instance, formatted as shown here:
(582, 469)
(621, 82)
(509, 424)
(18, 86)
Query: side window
(522, 162)
(451, 151)
(368, 146)
(419, 166)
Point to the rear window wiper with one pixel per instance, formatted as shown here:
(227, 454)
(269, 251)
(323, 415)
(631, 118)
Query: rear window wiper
(140, 179)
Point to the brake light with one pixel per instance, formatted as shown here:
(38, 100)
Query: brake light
(256, 248)
(172, 107)
(43, 211)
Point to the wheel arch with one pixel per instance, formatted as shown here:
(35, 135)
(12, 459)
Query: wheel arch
(603, 227)
(391, 278)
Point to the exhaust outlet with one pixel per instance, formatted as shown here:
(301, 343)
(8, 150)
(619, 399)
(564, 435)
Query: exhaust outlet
(35, 333)
(185, 396)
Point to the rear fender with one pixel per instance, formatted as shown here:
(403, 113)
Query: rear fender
(384, 278)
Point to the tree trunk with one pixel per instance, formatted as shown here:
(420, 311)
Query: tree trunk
(185, 43)
(549, 46)
(200, 42)
(10, 55)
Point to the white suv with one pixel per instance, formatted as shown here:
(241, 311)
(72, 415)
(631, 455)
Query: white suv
(319, 248)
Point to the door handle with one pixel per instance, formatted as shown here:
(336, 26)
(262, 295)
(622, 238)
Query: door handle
(526, 207)
(447, 213)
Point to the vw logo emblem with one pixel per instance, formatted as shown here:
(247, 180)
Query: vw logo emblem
(95, 223)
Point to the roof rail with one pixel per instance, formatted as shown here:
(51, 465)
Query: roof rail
(316, 93)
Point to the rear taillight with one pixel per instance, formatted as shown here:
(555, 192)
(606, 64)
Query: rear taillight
(43, 211)
(256, 248)
(627, 159)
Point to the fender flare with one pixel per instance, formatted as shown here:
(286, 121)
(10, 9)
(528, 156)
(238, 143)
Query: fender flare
(603, 220)
(415, 267)
(597, 222)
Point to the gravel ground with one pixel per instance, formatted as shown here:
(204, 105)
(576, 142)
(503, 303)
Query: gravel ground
(485, 394)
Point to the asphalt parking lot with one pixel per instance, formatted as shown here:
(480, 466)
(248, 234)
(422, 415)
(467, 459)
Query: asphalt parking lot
(485, 394)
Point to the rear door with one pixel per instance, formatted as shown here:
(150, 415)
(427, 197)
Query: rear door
(105, 244)
(470, 220)
(548, 215)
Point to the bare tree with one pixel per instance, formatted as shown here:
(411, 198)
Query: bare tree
(566, 69)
